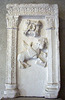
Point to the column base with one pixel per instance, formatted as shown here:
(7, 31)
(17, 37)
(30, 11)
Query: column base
(52, 91)
(11, 91)
(51, 95)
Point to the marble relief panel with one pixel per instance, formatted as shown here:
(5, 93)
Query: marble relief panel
(32, 43)
(33, 60)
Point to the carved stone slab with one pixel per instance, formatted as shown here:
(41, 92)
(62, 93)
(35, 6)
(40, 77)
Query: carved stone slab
(33, 65)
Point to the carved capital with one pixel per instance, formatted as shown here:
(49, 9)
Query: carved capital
(50, 23)
(12, 21)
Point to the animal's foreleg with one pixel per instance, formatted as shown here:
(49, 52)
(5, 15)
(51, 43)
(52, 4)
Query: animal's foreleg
(24, 64)
(42, 60)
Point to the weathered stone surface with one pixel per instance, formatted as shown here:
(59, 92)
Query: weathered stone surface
(33, 67)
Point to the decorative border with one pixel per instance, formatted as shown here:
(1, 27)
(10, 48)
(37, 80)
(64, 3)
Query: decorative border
(32, 9)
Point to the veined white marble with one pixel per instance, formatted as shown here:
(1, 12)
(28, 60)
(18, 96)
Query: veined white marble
(33, 62)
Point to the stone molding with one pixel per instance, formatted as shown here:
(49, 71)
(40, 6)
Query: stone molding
(32, 9)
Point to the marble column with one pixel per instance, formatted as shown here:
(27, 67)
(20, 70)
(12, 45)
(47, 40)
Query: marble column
(53, 82)
(11, 84)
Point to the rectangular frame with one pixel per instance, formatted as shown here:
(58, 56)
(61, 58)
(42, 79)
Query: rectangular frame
(51, 16)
